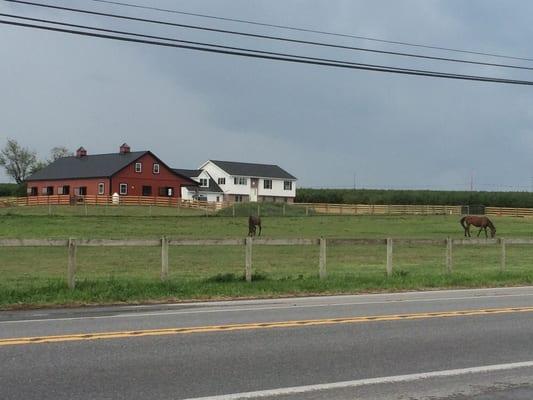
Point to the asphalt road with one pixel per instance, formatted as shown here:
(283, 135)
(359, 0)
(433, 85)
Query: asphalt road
(462, 344)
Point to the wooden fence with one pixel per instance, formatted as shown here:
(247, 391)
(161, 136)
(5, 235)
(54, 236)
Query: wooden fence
(164, 243)
(311, 208)
(381, 209)
(65, 200)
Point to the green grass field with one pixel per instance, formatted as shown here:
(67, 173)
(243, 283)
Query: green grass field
(37, 275)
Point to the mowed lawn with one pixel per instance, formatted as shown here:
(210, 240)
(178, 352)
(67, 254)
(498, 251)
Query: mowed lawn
(37, 276)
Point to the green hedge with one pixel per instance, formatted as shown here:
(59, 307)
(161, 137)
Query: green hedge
(12, 189)
(419, 197)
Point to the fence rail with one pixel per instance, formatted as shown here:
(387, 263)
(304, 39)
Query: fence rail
(316, 208)
(164, 243)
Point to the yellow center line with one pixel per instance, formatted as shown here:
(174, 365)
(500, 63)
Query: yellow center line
(258, 325)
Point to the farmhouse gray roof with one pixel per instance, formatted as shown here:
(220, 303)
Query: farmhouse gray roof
(253, 170)
(92, 166)
(194, 173)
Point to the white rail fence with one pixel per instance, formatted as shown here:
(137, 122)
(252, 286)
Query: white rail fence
(164, 243)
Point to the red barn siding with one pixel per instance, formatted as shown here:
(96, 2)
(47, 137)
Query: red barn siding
(90, 184)
(135, 180)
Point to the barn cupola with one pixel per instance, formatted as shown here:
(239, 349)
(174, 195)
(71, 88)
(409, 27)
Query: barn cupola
(81, 152)
(125, 148)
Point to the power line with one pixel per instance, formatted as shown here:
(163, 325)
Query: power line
(286, 57)
(268, 37)
(292, 28)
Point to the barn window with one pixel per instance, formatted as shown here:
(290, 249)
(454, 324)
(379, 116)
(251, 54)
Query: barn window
(221, 181)
(155, 169)
(65, 189)
(267, 184)
(147, 190)
(80, 191)
(101, 188)
(138, 167)
(33, 191)
(166, 191)
(123, 189)
(48, 190)
(287, 185)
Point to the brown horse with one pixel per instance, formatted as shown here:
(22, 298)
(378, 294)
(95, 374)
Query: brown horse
(254, 221)
(481, 222)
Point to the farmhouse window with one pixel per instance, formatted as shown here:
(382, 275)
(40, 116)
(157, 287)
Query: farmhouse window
(123, 188)
(155, 169)
(33, 191)
(240, 180)
(138, 167)
(203, 182)
(147, 191)
(287, 185)
(101, 188)
(221, 181)
(239, 198)
(267, 184)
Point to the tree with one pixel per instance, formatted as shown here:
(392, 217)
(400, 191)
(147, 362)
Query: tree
(59, 152)
(18, 161)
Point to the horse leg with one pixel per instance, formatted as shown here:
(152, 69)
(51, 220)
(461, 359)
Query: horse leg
(259, 229)
(468, 229)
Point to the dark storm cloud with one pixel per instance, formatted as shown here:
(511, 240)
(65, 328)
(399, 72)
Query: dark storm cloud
(323, 125)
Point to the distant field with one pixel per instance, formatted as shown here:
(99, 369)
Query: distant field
(37, 275)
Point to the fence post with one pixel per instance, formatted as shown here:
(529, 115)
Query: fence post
(233, 209)
(504, 254)
(322, 259)
(71, 273)
(164, 258)
(389, 256)
(248, 259)
(258, 210)
(149, 210)
(306, 211)
(449, 256)
(283, 209)
(85, 204)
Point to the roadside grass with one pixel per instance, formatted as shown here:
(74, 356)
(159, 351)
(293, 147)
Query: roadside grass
(36, 276)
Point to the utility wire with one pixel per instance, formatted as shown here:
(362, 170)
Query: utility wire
(292, 28)
(47, 21)
(288, 58)
(269, 37)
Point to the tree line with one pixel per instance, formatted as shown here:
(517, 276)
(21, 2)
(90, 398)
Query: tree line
(20, 162)
(416, 197)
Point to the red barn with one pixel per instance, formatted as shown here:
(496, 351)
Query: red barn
(128, 173)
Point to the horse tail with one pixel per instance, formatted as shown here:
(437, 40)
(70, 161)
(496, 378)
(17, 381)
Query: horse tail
(462, 222)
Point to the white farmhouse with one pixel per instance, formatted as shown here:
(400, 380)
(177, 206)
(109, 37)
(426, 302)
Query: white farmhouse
(242, 182)
(206, 190)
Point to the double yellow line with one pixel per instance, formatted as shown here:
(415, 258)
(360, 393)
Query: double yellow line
(259, 325)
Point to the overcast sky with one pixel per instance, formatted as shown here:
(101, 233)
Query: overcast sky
(323, 125)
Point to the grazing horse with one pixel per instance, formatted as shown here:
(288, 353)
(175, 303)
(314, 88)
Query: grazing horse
(254, 221)
(481, 222)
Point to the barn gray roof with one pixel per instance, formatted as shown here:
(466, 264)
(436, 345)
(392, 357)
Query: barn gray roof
(194, 173)
(253, 170)
(92, 166)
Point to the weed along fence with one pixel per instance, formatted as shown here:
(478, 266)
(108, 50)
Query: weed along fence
(71, 246)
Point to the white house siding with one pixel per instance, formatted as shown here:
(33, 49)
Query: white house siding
(230, 188)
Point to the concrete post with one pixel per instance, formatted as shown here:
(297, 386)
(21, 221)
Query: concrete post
(504, 254)
(322, 259)
(71, 273)
(164, 258)
(449, 256)
(248, 259)
(389, 257)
